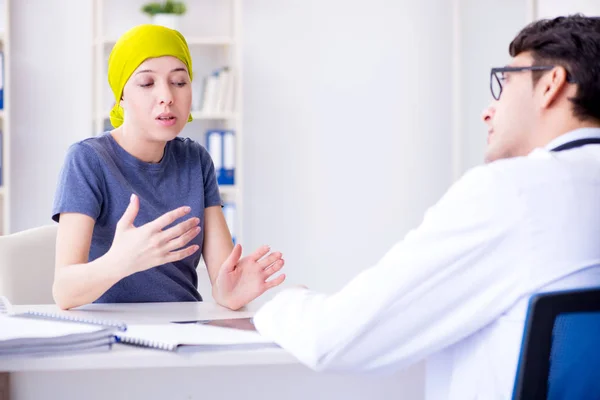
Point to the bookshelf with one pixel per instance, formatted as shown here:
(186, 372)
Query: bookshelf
(213, 32)
(192, 41)
(5, 117)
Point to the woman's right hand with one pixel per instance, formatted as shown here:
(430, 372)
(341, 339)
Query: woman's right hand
(137, 249)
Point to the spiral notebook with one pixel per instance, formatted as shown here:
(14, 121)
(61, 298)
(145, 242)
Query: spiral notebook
(6, 308)
(191, 337)
(23, 336)
(118, 325)
(183, 336)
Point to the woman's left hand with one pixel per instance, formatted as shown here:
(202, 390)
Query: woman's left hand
(241, 280)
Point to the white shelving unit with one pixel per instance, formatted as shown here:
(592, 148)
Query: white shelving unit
(209, 50)
(192, 41)
(5, 118)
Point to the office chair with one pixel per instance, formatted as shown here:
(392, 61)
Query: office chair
(27, 265)
(560, 354)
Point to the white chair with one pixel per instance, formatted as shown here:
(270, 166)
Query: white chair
(27, 265)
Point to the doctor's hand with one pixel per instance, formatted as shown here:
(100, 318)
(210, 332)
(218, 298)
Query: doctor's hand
(241, 280)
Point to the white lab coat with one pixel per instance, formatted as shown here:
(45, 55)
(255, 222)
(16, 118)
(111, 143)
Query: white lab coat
(455, 290)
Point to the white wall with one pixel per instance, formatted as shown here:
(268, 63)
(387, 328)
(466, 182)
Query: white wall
(553, 8)
(51, 99)
(347, 128)
(486, 28)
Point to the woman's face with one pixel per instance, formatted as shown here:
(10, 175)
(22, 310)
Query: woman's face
(157, 97)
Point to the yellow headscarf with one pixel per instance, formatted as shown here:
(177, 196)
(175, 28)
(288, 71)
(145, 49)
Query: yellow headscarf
(133, 48)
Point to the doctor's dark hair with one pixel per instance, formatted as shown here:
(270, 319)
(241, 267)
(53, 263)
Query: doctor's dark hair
(572, 42)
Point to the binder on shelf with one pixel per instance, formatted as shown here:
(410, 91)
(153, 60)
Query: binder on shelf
(1, 158)
(1, 80)
(223, 84)
(214, 146)
(221, 147)
(228, 158)
(218, 92)
(211, 84)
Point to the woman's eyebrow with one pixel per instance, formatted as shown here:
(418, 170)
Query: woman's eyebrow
(149, 70)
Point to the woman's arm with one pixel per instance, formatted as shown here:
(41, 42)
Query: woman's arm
(218, 243)
(77, 282)
(236, 281)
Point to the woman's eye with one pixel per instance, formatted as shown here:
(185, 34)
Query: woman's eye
(180, 84)
(147, 84)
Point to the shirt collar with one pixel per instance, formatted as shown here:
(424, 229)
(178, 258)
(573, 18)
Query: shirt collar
(577, 134)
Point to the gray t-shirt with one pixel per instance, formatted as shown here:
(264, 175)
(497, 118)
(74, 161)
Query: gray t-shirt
(98, 178)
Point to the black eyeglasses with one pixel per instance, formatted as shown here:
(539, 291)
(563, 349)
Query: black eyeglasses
(496, 81)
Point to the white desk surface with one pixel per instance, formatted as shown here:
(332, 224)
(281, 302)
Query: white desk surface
(126, 357)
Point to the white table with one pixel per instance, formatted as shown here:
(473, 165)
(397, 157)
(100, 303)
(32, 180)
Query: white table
(127, 372)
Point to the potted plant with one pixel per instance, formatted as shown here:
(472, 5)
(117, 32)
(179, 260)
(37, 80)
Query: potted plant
(166, 13)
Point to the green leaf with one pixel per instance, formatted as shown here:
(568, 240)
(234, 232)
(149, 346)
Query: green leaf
(167, 7)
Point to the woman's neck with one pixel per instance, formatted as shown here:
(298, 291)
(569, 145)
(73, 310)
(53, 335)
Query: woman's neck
(133, 142)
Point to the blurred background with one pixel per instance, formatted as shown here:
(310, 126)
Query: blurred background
(334, 124)
(349, 118)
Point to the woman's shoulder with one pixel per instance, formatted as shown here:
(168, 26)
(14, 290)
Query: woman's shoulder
(188, 146)
(92, 150)
(93, 144)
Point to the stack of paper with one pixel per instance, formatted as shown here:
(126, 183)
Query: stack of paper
(38, 337)
(5, 306)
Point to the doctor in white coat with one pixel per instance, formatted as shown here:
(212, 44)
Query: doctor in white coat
(454, 291)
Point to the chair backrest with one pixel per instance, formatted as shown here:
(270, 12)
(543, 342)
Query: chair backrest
(560, 355)
(27, 265)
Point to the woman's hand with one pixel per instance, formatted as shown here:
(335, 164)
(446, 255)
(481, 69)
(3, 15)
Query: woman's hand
(242, 280)
(138, 249)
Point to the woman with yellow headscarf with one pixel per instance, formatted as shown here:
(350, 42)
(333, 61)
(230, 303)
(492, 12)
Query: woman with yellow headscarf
(138, 206)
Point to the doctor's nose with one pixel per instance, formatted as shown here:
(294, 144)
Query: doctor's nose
(488, 114)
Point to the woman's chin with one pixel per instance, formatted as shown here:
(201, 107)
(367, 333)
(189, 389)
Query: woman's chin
(166, 132)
